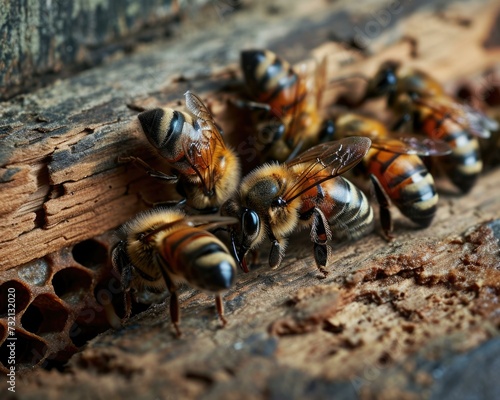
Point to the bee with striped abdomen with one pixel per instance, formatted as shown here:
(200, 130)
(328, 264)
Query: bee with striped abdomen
(396, 170)
(207, 171)
(418, 97)
(290, 100)
(275, 199)
(163, 248)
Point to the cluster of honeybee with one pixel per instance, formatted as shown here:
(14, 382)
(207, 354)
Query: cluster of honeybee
(299, 182)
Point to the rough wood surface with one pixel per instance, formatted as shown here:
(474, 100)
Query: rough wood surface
(403, 321)
(42, 41)
(399, 320)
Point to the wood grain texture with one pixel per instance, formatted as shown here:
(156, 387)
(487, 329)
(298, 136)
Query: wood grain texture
(393, 320)
(42, 41)
(387, 323)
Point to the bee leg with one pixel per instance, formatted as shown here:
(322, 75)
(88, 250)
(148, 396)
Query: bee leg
(220, 308)
(384, 203)
(251, 105)
(167, 203)
(276, 253)
(175, 312)
(122, 266)
(255, 256)
(128, 304)
(320, 235)
(149, 170)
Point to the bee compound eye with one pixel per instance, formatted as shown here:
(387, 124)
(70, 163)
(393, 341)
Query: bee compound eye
(387, 80)
(250, 223)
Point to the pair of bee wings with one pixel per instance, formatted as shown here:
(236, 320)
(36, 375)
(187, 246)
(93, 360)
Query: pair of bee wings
(314, 83)
(328, 160)
(203, 138)
(472, 120)
(325, 161)
(400, 143)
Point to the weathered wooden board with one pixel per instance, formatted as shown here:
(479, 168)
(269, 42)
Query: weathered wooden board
(398, 322)
(42, 41)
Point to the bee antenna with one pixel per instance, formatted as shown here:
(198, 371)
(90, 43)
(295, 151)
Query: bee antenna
(234, 249)
(220, 228)
(348, 77)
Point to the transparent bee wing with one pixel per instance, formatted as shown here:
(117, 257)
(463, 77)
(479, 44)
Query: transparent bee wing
(409, 144)
(472, 120)
(325, 161)
(205, 138)
(210, 221)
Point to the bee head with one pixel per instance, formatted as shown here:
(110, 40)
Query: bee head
(385, 80)
(246, 233)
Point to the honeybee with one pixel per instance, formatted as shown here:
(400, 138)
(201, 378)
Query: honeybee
(207, 171)
(162, 248)
(290, 97)
(419, 97)
(396, 170)
(275, 199)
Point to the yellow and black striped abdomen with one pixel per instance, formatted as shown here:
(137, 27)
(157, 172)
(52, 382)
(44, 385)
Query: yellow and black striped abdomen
(464, 164)
(347, 209)
(164, 128)
(408, 184)
(200, 258)
(272, 80)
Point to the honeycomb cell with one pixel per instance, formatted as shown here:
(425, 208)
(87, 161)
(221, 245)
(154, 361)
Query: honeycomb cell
(28, 351)
(72, 284)
(35, 273)
(44, 315)
(91, 254)
(13, 292)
